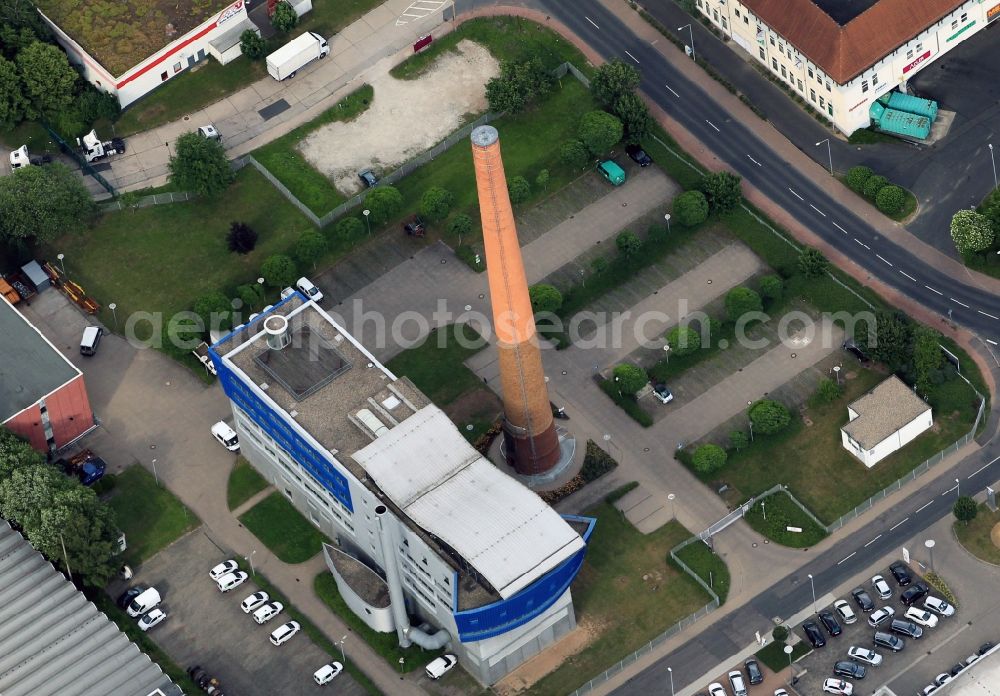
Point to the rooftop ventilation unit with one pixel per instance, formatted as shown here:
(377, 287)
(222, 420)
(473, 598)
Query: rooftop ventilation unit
(276, 328)
(371, 421)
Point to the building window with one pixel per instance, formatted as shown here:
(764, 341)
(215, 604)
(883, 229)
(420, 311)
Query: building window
(762, 56)
(772, 41)
(874, 79)
(909, 54)
(822, 103)
(800, 85)
(177, 68)
(746, 20)
(954, 24)
(699, 4)
(810, 73)
(725, 24)
(163, 77)
(737, 12)
(965, 17)
(783, 73)
(774, 64)
(920, 47)
(828, 89)
(829, 108)
(715, 13)
(812, 94)
(864, 85)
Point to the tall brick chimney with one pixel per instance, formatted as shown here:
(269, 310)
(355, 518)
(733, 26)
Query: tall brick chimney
(531, 442)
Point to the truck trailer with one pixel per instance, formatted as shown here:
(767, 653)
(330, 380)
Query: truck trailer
(295, 54)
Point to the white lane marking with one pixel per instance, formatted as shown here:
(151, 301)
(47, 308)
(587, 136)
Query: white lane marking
(883, 260)
(672, 91)
(873, 541)
(987, 315)
(846, 558)
(796, 195)
(992, 342)
(909, 276)
(949, 490)
(840, 228)
(958, 302)
(862, 244)
(418, 10)
(980, 469)
(898, 523)
(817, 210)
(632, 57)
(933, 290)
(591, 21)
(923, 506)
(713, 126)
(754, 161)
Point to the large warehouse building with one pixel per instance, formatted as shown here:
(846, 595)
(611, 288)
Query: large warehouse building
(433, 542)
(839, 56)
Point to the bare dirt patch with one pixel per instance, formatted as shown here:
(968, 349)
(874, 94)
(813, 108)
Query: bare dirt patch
(406, 117)
(525, 676)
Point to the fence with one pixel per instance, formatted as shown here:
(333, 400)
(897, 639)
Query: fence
(146, 201)
(68, 149)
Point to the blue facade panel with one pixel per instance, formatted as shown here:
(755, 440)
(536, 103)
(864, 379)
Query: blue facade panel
(507, 614)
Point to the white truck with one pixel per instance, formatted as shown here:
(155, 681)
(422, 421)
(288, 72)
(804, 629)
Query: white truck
(21, 158)
(94, 149)
(288, 59)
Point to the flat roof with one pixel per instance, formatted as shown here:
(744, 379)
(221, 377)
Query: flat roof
(31, 367)
(980, 679)
(883, 411)
(123, 33)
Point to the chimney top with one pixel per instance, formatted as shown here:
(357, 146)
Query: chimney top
(484, 136)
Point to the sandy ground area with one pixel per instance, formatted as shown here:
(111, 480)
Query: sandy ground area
(525, 676)
(406, 117)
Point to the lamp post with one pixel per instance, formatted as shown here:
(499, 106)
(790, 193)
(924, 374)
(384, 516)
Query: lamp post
(829, 153)
(750, 420)
(61, 262)
(788, 651)
(343, 656)
(994, 162)
(366, 213)
(155, 477)
(250, 561)
(670, 671)
(930, 550)
(958, 491)
(401, 661)
(667, 218)
(691, 33)
(114, 313)
(671, 497)
(812, 584)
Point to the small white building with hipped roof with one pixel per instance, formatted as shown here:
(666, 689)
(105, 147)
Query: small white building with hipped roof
(884, 420)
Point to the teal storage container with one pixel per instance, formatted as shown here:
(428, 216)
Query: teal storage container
(913, 105)
(875, 112)
(903, 123)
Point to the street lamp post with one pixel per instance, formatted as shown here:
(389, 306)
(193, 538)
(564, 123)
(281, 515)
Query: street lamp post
(61, 262)
(343, 656)
(788, 651)
(994, 162)
(958, 491)
(671, 497)
(401, 661)
(670, 671)
(366, 213)
(250, 560)
(829, 153)
(155, 477)
(930, 550)
(113, 307)
(691, 33)
(812, 584)
(667, 218)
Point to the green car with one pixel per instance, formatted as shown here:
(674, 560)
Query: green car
(612, 172)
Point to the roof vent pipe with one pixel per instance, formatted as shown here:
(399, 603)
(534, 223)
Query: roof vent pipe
(276, 328)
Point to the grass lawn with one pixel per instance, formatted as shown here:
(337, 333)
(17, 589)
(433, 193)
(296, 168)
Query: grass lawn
(435, 366)
(612, 597)
(282, 158)
(385, 644)
(772, 515)
(975, 536)
(774, 658)
(283, 529)
(151, 517)
(708, 566)
(32, 134)
(244, 483)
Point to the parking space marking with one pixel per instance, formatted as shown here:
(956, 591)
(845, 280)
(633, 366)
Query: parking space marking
(949, 490)
(873, 541)
(923, 506)
(898, 523)
(846, 558)
(981, 468)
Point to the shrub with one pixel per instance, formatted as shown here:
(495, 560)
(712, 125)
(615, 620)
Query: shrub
(241, 238)
(738, 440)
(460, 225)
(708, 459)
(740, 301)
(690, 208)
(780, 634)
(199, 165)
(938, 583)
(518, 85)
(278, 271)
(769, 417)
(519, 189)
(965, 509)
(628, 243)
(629, 378)
(436, 202)
(596, 462)
(971, 232)
(573, 153)
(545, 298)
(310, 247)
(284, 18)
(874, 184)
(812, 263)
(722, 189)
(349, 228)
(251, 295)
(252, 46)
(771, 287)
(857, 177)
(890, 199)
(683, 340)
(215, 310)
(600, 131)
(827, 392)
(599, 265)
(542, 180)
(384, 202)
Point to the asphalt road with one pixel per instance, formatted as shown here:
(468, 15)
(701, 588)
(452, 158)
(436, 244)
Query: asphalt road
(750, 158)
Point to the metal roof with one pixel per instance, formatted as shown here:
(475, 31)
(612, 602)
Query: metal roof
(53, 641)
(503, 529)
(882, 411)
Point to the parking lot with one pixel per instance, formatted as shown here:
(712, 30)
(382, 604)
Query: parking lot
(205, 627)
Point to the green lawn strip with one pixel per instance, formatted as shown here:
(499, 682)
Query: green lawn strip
(282, 158)
(611, 596)
(775, 513)
(385, 644)
(32, 134)
(708, 566)
(436, 365)
(508, 38)
(975, 536)
(774, 658)
(146, 644)
(626, 403)
(150, 515)
(283, 529)
(244, 483)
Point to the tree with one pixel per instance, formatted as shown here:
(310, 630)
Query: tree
(971, 232)
(629, 378)
(519, 189)
(827, 391)
(741, 301)
(990, 207)
(384, 202)
(892, 334)
(460, 226)
(722, 189)
(927, 356)
(199, 165)
(47, 78)
(613, 80)
(129, 200)
(738, 440)
(965, 509)
(42, 203)
(349, 228)
(75, 520)
(690, 208)
(251, 45)
(628, 243)
(310, 247)
(771, 287)
(683, 340)
(278, 271)
(13, 105)
(91, 105)
(874, 184)
(517, 85)
(574, 154)
(436, 202)
(890, 199)
(545, 298)
(857, 176)
(635, 117)
(599, 265)
(15, 452)
(812, 263)
(241, 238)
(708, 459)
(284, 18)
(215, 310)
(251, 295)
(600, 131)
(542, 180)
(769, 417)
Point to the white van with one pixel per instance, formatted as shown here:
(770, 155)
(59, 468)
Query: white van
(226, 436)
(307, 288)
(91, 337)
(144, 602)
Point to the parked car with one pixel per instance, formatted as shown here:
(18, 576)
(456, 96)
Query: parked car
(638, 155)
(307, 288)
(888, 641)
(830, 623)
(955, 669)
(881, 587)
(612, 172)
(224, 568)
(906, 628)
(938, 606)
(440, 666)
(780, 692)
(368, 178)
(254, 601)
(863, 600)
(661, 392)
(838, 686)
(267, 612)
(901, 572)
(126, 597)
(845, 611)
(716, 689)
(849, 668)
(813, 634)
(210, 132)
(145, 601)
(972, 658)
(880, 616)
(415, 227)
(754, 673)
(929, 689)
(90, 340)
(226, 436)
(326, 673)
(985, 648)
(231, 581)
(921, 617)
(913, 594)
(942, 679)
(284, 632)
(866, 655)
(150, 619)
(737, 684)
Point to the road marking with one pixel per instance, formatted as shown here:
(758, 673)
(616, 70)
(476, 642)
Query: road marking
(594, 23)
(817, 210)
(949, 490)
(992, 342)
(713, 126)
(987, 315)
(980, 469)
(840, 228)
(845, 558)
(862, 244)
(933, 290)
(672, 91)
(883, 260)
(873, 541)
(796, 195)
(958, 303)
(923, 506)
(898, 523)
(754, 161)
(909, 276)
(632, 57)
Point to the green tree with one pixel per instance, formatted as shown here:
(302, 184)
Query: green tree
(613, 80)
(13, 105)
(600, 131)
(990, 207)
(709, 459)
(874, 184)
(349, 228)
(278, 271)
(827, 391)
(518, 85)
(284, 18)
(890, 199)
(812, 263)
(15, 452)
(683, 340)
(599, 265)
(91, 104)
(690, 208)
(251, 295)
(740, 301)
(199, 165)
(436, 203)
(574, 154)
(129, 200)
(310, 247)
(891, 341)
(215, 309)
(965, 509)
(42, 203)
(738, 440)
(241, 238)
(722, 189)
(629, 378)
(635, 117)
(857, 177)
(545, 298)
(519, 189)
(48, 79)
(542, 180)
(76, 520)
(971, 232)
(927, 356)
(628, 244)
(771, 287)
(251, 45)
(460, 226)
(384, 202)
(769, 417)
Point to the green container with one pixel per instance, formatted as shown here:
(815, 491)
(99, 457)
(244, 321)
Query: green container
(903, 123)
(914, 105)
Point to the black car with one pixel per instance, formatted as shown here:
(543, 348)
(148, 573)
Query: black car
(830, 623)
(754, 673)
(863, 600)
(638, 155)
(889, 641)
(913, 594)
(956, 669)
(813, 634)
(906, 628)
(126, 597)
(849, 668)
(368, 178)
(984, 648)
(901, 572)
